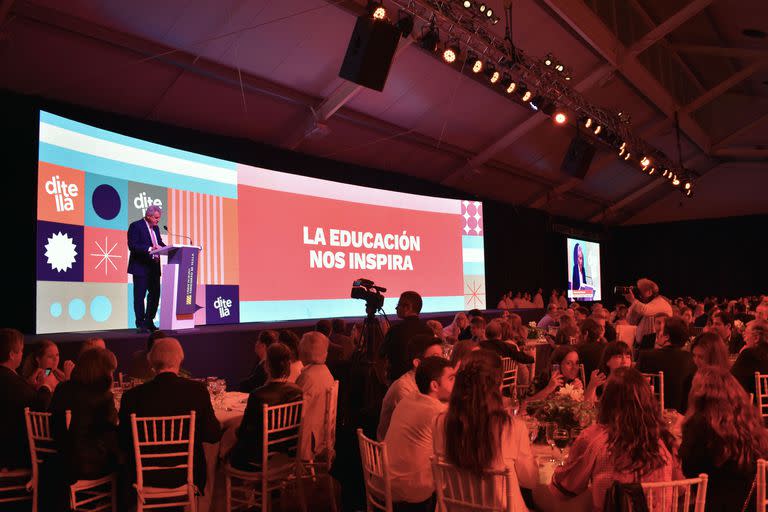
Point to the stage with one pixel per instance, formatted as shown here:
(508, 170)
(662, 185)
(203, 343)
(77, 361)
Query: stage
(224, 351)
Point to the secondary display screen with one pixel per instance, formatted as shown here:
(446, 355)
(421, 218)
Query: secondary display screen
(276, 246)
(583, 270)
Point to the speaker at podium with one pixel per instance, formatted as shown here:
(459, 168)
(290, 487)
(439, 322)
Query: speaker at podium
(178, 286)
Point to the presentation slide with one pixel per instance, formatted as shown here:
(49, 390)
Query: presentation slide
(583, 270)
(276, 246)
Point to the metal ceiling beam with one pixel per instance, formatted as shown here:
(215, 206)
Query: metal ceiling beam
(669, 25)
(316, 120)
(744, 129)
(720, 51)
(723, 86)
(591, 28)
(736, 153)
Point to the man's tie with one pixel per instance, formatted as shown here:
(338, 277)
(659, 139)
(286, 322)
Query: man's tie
(154, 242)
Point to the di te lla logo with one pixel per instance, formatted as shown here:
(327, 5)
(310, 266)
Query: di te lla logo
(222, 304)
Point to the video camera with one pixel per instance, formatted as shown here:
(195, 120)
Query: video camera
(623, 290)
(364, 289)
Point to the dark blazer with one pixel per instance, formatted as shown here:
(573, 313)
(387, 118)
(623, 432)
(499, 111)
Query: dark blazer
(750, 360)
(505, 349)
(140, 262)
(170, 395)
(728, 485)
(89, 448)
(247, 453)
(17, 394)
(735, 343)
(677, 366)
(590, 355)
(256, 379)
(395, 346)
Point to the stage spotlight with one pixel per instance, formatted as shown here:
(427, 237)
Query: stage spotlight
(508, 84)
(623, 145)
(527, 96)
(688, 192)
(560, 68)
(622, 150)
(495, 77)
(664, 174)
(598, 129)
(489, 13)
(467, 4)
(653, 170)
(450, 53)
(626, 157)
(588, 122)
(560, 118)
(477, 64)
(568, 78)
(377, 10)
(676, 181)
(671, 176)
(483, 8)
(430, 39)
(511, 87)
(687, 185)
(494, 20)
(548, 60)
(645, 162)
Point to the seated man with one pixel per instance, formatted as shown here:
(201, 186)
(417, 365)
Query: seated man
(494, 343)
(247, 453)
(168, 394)
(258, 376)
(16, 394)
(676, 363)
(409, 438)
(419, 347)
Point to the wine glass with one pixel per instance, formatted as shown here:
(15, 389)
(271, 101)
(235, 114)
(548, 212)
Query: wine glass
(549, 434)
(533, 427)
(561, 437)
(514, 404)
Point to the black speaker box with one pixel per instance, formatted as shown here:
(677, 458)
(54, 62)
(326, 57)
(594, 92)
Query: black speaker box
(577, 158)
(370, 52)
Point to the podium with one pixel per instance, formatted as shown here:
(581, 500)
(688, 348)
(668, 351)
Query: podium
(178, 286)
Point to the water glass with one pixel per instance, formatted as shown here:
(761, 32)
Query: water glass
(533, 427)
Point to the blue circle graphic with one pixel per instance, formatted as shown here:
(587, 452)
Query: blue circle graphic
(76, 309)
(106, 202)
(56, 309)
(101, 308)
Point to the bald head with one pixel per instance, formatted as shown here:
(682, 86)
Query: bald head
(166, 355)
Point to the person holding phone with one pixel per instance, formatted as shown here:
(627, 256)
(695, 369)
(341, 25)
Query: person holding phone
(44, 362)
(564, 370)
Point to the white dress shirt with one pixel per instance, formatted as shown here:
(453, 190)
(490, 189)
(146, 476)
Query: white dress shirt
(315, 380)
(409, 445)
(399, 389)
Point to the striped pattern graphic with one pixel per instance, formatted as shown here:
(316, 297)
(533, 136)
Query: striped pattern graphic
(210, 221)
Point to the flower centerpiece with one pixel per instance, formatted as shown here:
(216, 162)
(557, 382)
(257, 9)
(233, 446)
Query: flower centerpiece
(566, 407)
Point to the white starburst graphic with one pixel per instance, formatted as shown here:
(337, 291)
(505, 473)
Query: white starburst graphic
(106, 255)
(61, 252)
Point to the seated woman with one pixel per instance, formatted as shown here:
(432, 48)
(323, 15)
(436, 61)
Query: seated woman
(723, 436)
(460, 322)
(89, 448)
(629, 443)
(478, 434)
(566, 358)
(291, 340)
(45, 355)
(247, 453)
(314, 381)
(616, 355)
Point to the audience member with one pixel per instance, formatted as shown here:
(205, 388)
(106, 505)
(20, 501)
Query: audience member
(467, 332)
(722, 324)
(564, 370)
(553, 313)
(315, 380)
(493, 343)
(340, 341)
(740, 313)
(644, 308)
(687, 316)
(258, 376)
(420, 347)
(752, 359)
(16, 393)
(620, 317)
(394, 347)
(519, 331)
(617, 354)
(591, 345)
(670, 358)
(568, 332)
(44, 356)
(478, 434)
(409, 437)
(629, 441)
(761, 312)
(437, 329)
(168, 394)
(454, 329)
(723, 436)
(506, 302)
(538, 299)
(461, 350)
(140, 367)
(652, 339)
(247, 453)
(477, 329)
(91, 343)
(291, 340)
(708, 349)
(88, 447)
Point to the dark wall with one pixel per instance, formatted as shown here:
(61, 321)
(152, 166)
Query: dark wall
(724, 257)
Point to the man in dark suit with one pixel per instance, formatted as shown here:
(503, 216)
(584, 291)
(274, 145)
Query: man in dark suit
(591, 345)
(722, 324)
(247, 454)
(143, 237)
(677, 364)
(754, 358)
(170, 395)
(16, 394)
(396, 341)
(494, 343)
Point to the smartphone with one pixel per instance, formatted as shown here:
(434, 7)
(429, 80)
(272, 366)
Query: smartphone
(555, 367)
(48, 371)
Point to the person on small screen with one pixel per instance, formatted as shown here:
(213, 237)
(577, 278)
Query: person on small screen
(143, 237)
(579, 275)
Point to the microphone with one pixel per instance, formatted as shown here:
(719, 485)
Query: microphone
(182, 236)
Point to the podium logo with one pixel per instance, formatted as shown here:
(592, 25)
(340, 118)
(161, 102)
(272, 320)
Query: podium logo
(144, 201)
(62, 193)
(223, 306)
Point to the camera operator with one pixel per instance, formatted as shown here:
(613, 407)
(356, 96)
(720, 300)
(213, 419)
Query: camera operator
(396, 340)
(644, 308)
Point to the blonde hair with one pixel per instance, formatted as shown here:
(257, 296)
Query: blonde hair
(313, 348)
(166, 354)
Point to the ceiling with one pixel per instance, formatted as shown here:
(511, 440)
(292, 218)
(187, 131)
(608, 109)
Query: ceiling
(267, 70)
